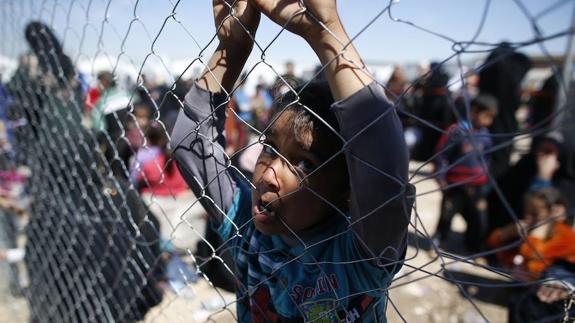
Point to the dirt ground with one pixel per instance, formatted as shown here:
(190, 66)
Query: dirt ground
(417, 295)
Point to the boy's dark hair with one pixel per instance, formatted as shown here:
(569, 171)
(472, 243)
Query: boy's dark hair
(484, 102)
(549, 195)
(156, 135)
(316, 96)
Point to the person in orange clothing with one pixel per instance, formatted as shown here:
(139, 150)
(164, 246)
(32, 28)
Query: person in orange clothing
(548, 255)
(550, 240)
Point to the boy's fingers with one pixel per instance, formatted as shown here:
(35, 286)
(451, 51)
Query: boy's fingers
(226, 2)
(266, 7)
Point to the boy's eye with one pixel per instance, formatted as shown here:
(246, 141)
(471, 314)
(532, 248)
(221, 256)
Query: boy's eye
(269, 150)
(305, 165)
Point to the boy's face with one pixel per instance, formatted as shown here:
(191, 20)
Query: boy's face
(536, 210)
(142, 116)
(482, 119)
(281, 202)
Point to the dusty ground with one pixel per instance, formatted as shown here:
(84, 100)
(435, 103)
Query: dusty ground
(419, 297)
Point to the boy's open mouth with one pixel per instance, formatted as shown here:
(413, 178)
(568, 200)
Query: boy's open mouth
(265, 208)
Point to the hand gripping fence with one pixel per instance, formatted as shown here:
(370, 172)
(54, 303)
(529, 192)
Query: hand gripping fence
(123, 181)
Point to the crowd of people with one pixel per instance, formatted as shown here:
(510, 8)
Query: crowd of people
(518, 213)
(518, 210)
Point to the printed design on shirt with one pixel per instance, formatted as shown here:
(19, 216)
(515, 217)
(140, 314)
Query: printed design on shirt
(320, 311)
(323, 284)
(325, 310)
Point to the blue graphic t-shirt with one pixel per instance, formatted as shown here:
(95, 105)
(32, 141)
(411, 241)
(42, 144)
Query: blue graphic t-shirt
(329, 280)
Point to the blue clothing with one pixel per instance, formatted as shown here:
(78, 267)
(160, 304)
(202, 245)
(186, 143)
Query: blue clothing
(539, 183)
(459, 159)
(330, 278)
(343, 272)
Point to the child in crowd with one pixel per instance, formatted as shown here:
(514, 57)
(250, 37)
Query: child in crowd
(182, 220)
(462, 172)
(321, 230)
(547, 253)
(136, 127)
(549, 238)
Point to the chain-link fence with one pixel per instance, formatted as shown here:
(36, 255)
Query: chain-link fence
(223, 186)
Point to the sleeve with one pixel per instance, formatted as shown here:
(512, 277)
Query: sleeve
(561, 245)
(377, 160)
(198, 145)
(531, 249)
(495, 239)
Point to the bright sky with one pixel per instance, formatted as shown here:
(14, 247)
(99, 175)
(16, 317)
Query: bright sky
(383, 41)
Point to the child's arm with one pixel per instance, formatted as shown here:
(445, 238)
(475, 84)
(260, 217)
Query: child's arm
(376, 153)
(197, 138)
(441, 163)
(344, 78)
(227, 62)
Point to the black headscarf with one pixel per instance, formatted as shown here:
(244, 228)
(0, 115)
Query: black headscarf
(503, 72)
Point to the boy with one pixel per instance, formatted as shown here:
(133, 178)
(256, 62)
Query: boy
(547, 254)
(551, 240)
(461, 172)
(323, 230)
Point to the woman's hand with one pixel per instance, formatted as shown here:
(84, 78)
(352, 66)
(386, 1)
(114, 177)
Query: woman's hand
(233, 20)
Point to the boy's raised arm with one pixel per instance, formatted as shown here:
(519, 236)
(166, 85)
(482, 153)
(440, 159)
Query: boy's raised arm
(197, 139)
(329, 40)
(375, 149)
(235, 33)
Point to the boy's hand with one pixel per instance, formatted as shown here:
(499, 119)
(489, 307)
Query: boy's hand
(552, 292)
(300, 20)
(317, 21)
(233, 20)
